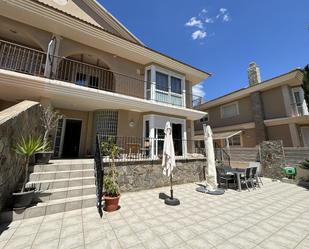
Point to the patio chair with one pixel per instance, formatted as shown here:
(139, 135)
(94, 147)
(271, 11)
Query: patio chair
(246, 178)
(223, 177)
(255, 177)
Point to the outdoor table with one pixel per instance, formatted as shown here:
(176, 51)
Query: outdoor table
(237, 173)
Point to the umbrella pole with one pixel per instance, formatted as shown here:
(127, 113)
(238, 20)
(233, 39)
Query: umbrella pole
(171, 179)
(171, 200)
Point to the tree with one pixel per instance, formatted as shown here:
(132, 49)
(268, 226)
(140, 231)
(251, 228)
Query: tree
(50, 120)
(305, 84)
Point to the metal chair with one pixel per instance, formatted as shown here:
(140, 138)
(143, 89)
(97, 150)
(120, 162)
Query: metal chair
(223, 177)
(247, 177)
(255, 177)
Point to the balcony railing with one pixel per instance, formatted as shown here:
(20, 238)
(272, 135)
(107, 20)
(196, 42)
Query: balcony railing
(145, 149)
(18, 58)
(299, 109)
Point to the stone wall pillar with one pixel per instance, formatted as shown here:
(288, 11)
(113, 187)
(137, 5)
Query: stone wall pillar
(272, 158)
(258, 117)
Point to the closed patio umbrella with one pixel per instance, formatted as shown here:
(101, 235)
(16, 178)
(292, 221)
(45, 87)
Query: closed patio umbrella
(211, 173)
(211, 180)
(168, 161)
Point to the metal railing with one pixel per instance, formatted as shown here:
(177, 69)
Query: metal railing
(134, 150)
(22, 59)
(147, 149)
(222, 156)
(299, 109)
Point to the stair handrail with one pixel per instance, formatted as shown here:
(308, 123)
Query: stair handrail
(224, 155)
(98, 174)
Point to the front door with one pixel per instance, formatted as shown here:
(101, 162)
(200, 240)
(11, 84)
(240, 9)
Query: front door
(71, 138)
(305, 135)
(177, 138)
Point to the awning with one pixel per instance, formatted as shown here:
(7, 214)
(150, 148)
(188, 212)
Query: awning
(219, 135)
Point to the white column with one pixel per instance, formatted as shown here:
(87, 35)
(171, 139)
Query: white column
(287, 101)
(153, 83)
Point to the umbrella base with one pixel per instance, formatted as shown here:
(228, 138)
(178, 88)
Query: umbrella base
(171, 202)
(204, 190)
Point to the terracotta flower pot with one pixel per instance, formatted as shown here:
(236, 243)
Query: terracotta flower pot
(111, 203)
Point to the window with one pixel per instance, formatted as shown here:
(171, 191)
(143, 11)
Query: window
(147, 128)
(204, 119)
(162, 81)
(235, 140)
(299, 101)
(175, 85)
(229, 110)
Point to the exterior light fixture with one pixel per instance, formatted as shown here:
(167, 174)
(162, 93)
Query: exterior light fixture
(131, 123)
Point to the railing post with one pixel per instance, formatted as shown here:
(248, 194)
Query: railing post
(98, 173)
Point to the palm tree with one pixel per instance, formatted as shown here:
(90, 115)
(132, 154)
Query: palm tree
(28, 147)
(305, 84)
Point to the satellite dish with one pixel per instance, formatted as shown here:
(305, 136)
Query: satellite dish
(61, 2)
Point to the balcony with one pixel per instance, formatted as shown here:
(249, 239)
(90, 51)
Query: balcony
(21, 59)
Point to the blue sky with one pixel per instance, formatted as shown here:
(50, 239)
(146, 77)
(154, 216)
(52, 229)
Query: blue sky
(222, 37)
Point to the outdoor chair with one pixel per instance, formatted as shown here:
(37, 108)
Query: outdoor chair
(246, 178)
(223, 177)
(255, 177)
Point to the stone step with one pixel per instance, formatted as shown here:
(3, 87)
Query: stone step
(51, 175)
(50, 207)
(62, 193)
(60, 167)
(62, 183)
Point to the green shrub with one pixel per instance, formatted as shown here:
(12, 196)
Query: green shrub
(305, 164)
(27, 148)
(110, 180)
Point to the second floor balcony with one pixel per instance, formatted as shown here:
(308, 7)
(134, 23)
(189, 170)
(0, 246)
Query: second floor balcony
(22, 59)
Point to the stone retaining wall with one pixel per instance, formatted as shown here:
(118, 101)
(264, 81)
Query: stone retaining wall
(19, 120)
(146, 175)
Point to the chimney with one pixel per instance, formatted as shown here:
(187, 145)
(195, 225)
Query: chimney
(254, 75)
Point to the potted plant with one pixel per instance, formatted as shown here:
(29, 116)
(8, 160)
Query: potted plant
(49, 120)
(26, 148)
(111, 193)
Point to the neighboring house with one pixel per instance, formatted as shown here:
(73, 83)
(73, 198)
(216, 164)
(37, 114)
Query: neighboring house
(76, 57)
(268, 110)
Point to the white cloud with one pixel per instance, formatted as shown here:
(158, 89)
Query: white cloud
(226, 18)
(209, 20)
(198, 90)
(223, 13)
(199, 34)
(223, 10)
(203, 19)
(193, 22)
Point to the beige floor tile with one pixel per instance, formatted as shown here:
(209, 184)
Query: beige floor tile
(71, 241)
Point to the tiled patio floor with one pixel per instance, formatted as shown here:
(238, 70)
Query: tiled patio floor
(275, 216)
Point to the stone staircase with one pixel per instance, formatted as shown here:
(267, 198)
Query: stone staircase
(64, 185)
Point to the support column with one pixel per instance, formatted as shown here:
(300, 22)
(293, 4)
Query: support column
(294, 135)
(287, 101)
(258, 117)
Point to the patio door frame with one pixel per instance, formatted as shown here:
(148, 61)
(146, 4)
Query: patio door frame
(63, 133)
(158, 122)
